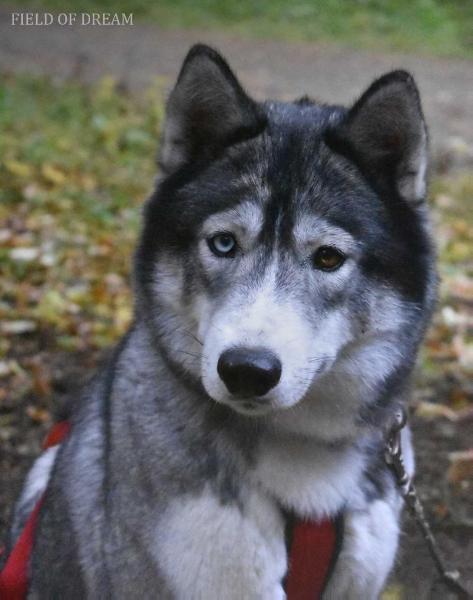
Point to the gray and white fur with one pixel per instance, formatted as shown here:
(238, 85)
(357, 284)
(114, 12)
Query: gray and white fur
(283, 281)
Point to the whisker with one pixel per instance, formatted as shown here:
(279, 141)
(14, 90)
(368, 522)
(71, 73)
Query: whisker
(189, 354)
(194, 337)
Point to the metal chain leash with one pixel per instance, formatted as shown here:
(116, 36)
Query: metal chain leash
(394, 459)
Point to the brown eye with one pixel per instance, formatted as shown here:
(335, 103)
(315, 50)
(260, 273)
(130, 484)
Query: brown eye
(328, 258)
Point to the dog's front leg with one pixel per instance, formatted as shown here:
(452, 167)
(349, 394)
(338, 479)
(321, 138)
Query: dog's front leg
(210, 549)
(368, 552)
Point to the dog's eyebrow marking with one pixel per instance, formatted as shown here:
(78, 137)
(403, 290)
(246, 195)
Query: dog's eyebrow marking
(245, 220)
(255, 181)
(311, 232)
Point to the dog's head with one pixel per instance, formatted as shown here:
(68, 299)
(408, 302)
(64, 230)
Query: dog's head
(286, 243)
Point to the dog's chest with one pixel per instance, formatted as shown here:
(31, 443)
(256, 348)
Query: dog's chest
(312, 480)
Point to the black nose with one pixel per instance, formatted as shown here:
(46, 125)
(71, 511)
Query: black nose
(249, 371)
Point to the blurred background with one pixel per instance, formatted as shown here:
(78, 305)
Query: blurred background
(81, 109)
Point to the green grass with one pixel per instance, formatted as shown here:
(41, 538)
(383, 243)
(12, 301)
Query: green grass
(421, 26)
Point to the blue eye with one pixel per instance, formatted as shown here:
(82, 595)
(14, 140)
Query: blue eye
(222, 244)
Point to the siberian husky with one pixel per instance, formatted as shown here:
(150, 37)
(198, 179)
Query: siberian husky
(284, 280)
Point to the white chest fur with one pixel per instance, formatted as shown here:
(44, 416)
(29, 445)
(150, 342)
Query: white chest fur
(207, 549)
(314, 480)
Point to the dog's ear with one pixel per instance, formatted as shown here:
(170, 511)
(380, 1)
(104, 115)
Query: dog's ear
(206, 110)
(385, 133)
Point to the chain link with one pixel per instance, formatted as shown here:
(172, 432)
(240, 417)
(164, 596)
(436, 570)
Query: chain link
(395, 460)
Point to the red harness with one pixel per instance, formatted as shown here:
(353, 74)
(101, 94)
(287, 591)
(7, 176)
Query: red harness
(313, 550)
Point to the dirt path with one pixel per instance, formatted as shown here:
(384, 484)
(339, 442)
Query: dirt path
(268, 68)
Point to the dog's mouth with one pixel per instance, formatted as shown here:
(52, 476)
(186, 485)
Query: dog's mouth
(250, 407)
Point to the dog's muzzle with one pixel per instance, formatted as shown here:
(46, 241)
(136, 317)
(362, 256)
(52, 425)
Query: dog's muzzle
(249, 372)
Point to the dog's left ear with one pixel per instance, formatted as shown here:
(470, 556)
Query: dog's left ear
(207, 110)
(385, 134)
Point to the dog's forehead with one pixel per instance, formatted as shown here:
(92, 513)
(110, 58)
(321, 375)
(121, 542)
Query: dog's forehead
(285, 182)
(291, 168)
(295, 194)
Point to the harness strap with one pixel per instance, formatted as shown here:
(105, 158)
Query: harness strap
(313, 552)
(14, 575)
(57, 434)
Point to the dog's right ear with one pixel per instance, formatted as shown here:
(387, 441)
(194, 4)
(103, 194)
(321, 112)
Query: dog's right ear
(207, 110)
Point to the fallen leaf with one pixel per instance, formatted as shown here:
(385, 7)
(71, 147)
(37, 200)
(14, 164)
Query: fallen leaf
(441, 510)
(458, 399)
(30, 191)
(53, 174)
(432, 410)
(454, 318)
(38, 415)
(41, 378)
(464, 351)
(17, 327)
(18, 168)
(461, 467)
(5, 235)
(394, 591)
(444, 201)
(122, 317)
(24, 254)
(8, 367)
(462, 286)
